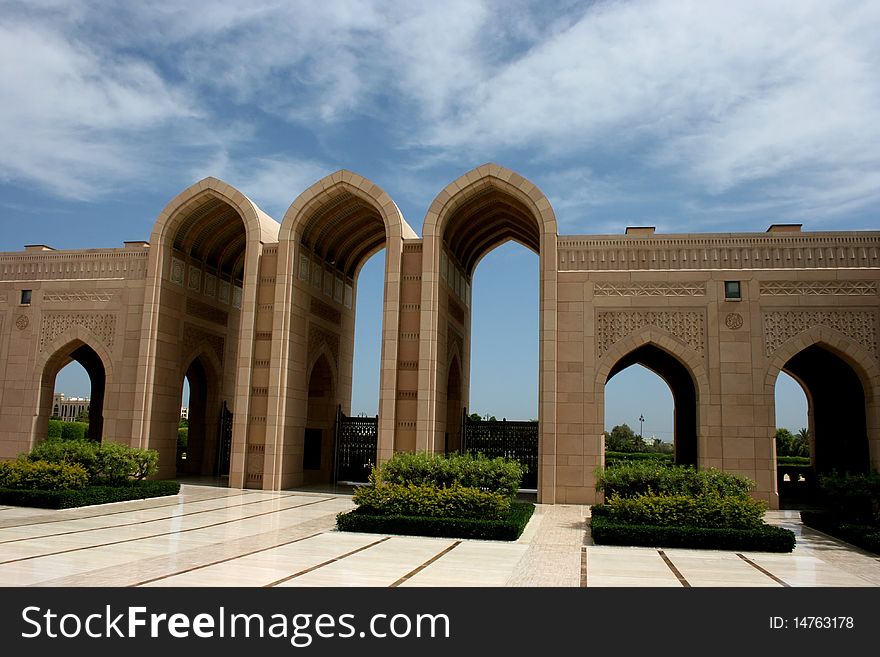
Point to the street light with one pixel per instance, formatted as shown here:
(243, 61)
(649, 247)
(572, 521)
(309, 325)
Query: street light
(641, 423)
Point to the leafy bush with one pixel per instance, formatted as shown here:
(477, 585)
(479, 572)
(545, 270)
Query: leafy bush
(41, 475)
(862, 535)
(423, 500)
(54, 432)
(508, 528)
(67, 499)
(711, 511)
(74, 431)
(628, 479)
(182, 437)
(496, 475)
(765, 538)
(80, 452)
(107, 463)
(852, 497)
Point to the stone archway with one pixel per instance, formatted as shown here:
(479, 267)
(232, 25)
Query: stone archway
(474, 214)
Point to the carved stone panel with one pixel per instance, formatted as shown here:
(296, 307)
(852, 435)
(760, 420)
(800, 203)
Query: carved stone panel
(320, 337)
(73, 296)
(102, 325)
(686, 325)
(815, 288)
(859, 325)
(649, 289)
(195, 335)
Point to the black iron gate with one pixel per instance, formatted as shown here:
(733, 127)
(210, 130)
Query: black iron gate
(356, 440)
(224, 442)
(513, 440)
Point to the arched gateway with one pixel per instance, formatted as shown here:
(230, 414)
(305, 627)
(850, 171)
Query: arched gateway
(259, 315)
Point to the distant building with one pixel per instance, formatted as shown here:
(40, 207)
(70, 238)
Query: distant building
(184, 412)
(68, 408)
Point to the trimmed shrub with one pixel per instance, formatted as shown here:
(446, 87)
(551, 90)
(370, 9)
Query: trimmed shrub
(106, 463)
(710, 511)
(765, 538)
(74, 431)
(497, 475)
(507, 529)
(67, 499)
(80, 452)
(793, 460)
(41, 475)
(54, 432)
(864, 536)
(628, 479)
(384, 499)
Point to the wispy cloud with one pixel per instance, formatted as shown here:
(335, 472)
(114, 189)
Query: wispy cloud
(777, 101)
(272, 182)
(72, 117)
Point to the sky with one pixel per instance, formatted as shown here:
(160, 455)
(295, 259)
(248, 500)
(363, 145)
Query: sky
(691, 116)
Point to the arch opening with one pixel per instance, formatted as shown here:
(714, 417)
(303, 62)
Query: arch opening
(338, 230)
(52, 405)
(199, 454)
(318, 443)
(837, 421)
(473, 216)
(684, 395)
(639, 408)
(205, 265)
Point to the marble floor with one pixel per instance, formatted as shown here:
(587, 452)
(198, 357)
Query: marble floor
(211, 536)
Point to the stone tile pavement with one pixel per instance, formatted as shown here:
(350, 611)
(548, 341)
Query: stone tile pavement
(209, 536)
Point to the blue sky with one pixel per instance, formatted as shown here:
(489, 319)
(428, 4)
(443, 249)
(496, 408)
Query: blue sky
(689, 116)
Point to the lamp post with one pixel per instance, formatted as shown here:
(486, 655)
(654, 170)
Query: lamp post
(641, 424)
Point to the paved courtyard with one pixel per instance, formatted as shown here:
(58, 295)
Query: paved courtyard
(209, 536)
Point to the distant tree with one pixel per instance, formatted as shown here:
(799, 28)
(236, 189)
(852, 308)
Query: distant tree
(622, 439)
(789, 444)
(83, 415)
(476, 417)
(802, 441)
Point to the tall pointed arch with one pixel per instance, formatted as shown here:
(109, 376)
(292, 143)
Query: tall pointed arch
(471, 216)
(201, 285)
(326, 235)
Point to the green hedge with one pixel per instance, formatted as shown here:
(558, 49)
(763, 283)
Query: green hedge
(41, 475)
(422, 500)
(61, 430)
(662, 457)
(764, 539)
(507, 529)
(711, 511)
(54, 432)
(865, 536)
(497, 475)
(66, 499)
(628, 479)
(793, 460)
(107, 463)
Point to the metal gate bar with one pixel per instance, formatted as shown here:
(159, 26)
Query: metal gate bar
(356, 441)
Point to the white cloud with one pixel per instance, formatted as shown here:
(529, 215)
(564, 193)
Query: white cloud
(778, 98)
(71, 115)
(272, 182)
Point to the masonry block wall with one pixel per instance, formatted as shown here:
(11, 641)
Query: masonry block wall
(259, 316)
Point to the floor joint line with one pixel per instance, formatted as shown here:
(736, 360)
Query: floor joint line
(675, 571)
(417, 570)
(763, 570)
(325, 563)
